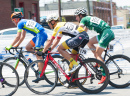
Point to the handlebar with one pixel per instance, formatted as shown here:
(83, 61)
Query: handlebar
(18, 50)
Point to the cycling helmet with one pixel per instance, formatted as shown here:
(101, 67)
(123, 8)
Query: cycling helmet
(52, 17)
(16, 15)
(80, 10)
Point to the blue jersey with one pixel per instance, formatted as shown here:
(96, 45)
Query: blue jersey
(30, 26)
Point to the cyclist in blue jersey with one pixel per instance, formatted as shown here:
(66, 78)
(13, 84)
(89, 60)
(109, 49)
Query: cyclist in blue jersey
(23, 25)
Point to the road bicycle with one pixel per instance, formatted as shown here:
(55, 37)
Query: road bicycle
(119, 69)
(20, 62)
(86, 77)
(9, 80)
(118, 66)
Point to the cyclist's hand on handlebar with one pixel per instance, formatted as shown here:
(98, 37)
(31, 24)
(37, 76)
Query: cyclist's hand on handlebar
(8, 47)
(39, 53)
(16, 45)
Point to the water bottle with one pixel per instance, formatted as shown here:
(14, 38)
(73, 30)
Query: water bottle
(30, 61)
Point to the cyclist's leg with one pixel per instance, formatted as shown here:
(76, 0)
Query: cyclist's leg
(104, 40)
(41, 37)
(31, 44)
(72, 43)
(97, 53)
(91, 43)
(106, 37)
(39, 43)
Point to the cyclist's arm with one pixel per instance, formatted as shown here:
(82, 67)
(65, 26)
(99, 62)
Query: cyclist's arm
(48, 44)
(85, 28)
(16, 38)
(56, 41)
(22, 37)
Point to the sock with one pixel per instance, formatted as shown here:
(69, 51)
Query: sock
(73, 61)
(39, 73)
(103, 71)
(70, 66)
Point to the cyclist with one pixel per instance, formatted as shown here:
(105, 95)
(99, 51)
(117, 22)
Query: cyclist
(78, 38)
(101, 27)
(23, 25)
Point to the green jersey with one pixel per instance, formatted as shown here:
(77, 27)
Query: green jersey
(94, 23)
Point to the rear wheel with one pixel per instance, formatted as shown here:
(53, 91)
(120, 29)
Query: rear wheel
(119, 69)
(91, 85)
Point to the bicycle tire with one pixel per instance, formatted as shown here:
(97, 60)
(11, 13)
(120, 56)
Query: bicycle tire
(38, 87)
(93, 87)
(7, 76)
(11, 61)
(122, 80)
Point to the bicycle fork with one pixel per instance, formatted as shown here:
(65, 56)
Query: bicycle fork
(17, 63)
(2, 80)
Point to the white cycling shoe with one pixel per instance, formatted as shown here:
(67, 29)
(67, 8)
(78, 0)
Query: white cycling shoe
(74, 68)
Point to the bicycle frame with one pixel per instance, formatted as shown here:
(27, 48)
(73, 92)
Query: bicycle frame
(107, 54)
(69, 78)
(20, 55)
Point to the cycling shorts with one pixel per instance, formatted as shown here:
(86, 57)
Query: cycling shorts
(39, 39)
(104, 38)
(79, 40)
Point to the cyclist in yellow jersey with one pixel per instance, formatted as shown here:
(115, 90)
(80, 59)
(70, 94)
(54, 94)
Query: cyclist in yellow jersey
(78, 38)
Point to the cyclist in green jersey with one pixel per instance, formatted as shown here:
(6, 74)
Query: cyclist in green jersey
(99, 26)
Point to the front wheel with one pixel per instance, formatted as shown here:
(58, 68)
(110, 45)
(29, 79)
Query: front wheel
(43, 86)
(9, 80)
(94, 75)
(20, 68)
(119, 69)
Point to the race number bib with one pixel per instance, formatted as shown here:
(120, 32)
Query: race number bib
(83, 51)
(95, 20)
(70, 26)
(31, 24)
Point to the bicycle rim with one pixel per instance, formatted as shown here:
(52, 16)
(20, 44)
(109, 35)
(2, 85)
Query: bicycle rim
(20, 68)
(119, 77)
(43, 86)
(91, 85)
(8, 76)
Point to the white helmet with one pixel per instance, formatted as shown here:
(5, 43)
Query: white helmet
(80, 10)
(52, 17)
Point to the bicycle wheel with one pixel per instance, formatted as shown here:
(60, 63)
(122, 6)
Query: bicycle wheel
(119, 69)
(42, 87)
(20, 68)
(64, 65)
(91, 86)
(8, 76)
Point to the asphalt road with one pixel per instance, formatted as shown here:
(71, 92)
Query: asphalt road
(62, 91)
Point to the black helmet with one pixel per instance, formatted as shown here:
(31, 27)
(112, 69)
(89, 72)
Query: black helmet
(80, 10)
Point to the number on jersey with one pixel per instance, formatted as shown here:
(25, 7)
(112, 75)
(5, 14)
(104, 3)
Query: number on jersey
(31, 24)
(70, 26)
(95, 20)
